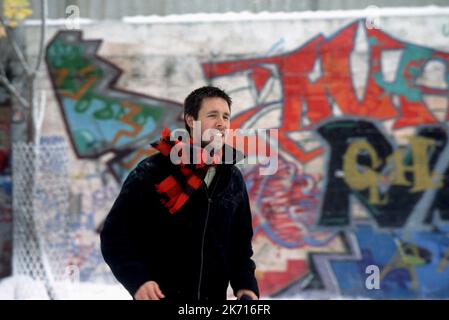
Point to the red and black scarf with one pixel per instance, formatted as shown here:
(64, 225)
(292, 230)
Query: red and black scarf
(176, 191)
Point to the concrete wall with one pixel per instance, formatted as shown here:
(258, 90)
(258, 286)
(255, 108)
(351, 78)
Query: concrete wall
(360, 196)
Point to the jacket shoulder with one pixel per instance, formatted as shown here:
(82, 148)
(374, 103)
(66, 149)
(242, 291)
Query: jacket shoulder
(237, 177)
(149, 167)
(236, 172)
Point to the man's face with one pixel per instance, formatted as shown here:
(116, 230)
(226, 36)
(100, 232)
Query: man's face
(214, 114)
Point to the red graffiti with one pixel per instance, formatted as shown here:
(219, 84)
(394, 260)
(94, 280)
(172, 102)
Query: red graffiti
(284, 204)
(3, 160)
(304, 98)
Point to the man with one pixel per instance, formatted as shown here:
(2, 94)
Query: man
(182, 231)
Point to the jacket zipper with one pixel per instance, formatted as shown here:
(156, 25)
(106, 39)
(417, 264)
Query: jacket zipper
(209, 201)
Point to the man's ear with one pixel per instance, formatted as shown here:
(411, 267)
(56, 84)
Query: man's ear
(189, 119)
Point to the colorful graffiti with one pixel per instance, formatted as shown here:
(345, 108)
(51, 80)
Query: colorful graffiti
(397, 190)
(363, 161)
(5, 225)
(5, 140)
(86, 222)
(391, 185)
(101, 118)
(71, 226)
(5, 191)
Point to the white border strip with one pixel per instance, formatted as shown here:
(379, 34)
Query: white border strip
(58, 22)
(371, 11)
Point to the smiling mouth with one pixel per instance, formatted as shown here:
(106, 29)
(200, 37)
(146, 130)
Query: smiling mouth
(219, 134)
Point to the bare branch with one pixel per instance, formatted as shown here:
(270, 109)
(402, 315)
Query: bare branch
(16, 48)
(42, 40)
(11, 89)
(39, 112)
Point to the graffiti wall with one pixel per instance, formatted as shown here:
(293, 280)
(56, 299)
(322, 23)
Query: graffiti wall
(358, 206)
(5, 189)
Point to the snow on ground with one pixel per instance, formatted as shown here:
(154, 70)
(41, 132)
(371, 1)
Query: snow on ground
(25, 288)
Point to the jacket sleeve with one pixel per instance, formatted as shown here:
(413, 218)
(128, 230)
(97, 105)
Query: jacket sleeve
(243, 267)
(119, 236)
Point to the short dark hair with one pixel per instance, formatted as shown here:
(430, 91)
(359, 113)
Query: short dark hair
(192, 104)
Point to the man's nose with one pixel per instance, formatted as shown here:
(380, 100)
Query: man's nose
(220, 122)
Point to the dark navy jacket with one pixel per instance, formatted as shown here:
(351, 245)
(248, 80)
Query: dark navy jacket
(193, 254)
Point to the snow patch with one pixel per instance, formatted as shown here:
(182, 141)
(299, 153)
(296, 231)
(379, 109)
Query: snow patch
(309, 15)
(26, 288)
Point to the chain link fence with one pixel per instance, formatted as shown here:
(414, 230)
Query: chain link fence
(40, 207)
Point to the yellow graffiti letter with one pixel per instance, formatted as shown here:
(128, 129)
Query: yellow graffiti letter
(420, 168)
(362, 180)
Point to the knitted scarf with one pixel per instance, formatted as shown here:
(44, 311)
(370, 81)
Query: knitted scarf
(176, 191)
